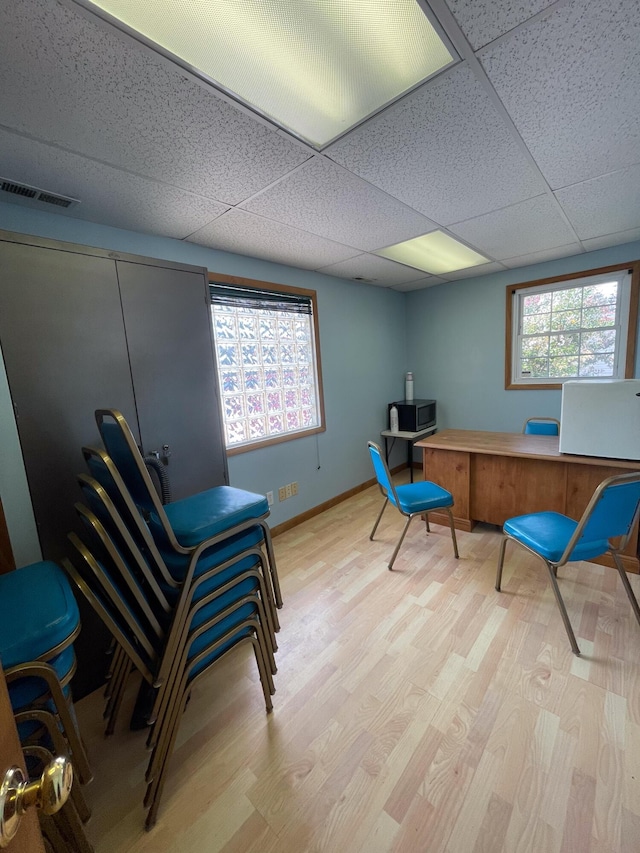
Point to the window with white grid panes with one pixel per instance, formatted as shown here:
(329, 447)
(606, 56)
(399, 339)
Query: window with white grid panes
(576, 327)
(266, 353)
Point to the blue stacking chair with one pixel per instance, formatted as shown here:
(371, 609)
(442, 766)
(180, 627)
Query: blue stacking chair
(174, 566)
(541, 426)
(144, 623)
(196, 522)
(410, 499)
(39, 621)
(604, 528)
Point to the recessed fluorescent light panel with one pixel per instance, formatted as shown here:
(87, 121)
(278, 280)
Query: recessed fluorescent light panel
(435, 252)
(316, 68)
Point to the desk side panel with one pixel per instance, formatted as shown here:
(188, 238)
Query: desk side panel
(503, 487)
(450, 469)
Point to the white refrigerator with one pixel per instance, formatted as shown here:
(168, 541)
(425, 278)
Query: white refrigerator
(601, 418)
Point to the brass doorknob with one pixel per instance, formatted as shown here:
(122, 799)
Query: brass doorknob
(49, 793)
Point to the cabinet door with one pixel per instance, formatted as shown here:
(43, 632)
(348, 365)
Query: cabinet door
(65, 352)
(170, 342)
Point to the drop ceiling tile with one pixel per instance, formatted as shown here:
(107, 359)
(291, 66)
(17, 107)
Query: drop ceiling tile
(328, 200)
(420, 284)
(108, 196)
(571, 83)
(372, 269)
(603, 205)
(546, 255)
(483, 21)
(246, 234)
(443, 150)
(612, 240)
(531, 226)
(93, 90)
(473, 272)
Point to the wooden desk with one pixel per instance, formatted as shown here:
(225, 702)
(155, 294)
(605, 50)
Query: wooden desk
(496, 475)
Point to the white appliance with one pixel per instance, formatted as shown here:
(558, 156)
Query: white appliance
(601, 418)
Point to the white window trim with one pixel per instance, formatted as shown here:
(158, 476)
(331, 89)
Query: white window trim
(629, 277)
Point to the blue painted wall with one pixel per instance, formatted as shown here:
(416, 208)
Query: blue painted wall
(456, 345)
(363, 351)
(451, 336)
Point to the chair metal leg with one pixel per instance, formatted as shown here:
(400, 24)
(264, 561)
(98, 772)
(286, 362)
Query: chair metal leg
(453, 533)
(375, 526)
(426, 521)
(563, 610)
(503, 546)
(395, 553)
(625, 582)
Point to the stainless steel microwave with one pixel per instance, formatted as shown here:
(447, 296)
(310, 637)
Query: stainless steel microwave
(415, 415)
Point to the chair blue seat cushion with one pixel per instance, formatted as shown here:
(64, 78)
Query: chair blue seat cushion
(211, 512)
(37, 612)
(422, 497)
(548, 534)
(214, 556)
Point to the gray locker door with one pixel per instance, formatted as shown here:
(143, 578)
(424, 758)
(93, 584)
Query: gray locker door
(65, 351)
(170, 342)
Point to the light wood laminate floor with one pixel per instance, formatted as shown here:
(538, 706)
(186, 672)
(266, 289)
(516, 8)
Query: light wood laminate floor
(416, 710)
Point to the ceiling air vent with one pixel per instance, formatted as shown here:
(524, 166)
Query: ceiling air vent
(33, 196)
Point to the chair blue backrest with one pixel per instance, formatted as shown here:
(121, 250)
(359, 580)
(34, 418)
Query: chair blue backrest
(611, 513)
(540, 426)
(382, 473)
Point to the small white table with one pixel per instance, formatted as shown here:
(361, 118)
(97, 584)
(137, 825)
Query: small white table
(410, 438)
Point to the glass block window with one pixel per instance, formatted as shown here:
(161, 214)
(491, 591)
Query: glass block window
(268, 365)
(570, 329)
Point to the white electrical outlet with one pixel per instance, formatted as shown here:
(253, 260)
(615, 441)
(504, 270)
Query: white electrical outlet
(282, 495)
(270, 498)
(287, 490)
(294, 488)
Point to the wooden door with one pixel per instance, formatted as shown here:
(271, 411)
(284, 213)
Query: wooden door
(28, 838)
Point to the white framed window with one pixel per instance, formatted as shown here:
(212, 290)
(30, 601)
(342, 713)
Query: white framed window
(267, 353)
(577, 327)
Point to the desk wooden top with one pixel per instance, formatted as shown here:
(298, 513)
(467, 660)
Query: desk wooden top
(515, 444)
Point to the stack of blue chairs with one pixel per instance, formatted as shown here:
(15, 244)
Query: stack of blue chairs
(39, 621)
(179, 586)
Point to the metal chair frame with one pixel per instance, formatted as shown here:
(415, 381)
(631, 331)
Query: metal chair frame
(55, 694)
(614, 550)
(190, 600)
(127, 628)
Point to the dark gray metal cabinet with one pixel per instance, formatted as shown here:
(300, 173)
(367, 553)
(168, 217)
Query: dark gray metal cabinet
(82, 329)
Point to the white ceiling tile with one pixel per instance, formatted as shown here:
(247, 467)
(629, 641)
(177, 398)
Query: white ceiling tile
(443, 150)
(603, 205)
(108, 196)
(571, 83)
(612, 240)
(544, 255)
(420, 284)
(371, 269)
(328, 200)
(124, 105)
(483, 21)
(473, 272)
(531, 226)
(244, 233)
